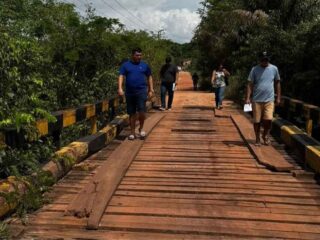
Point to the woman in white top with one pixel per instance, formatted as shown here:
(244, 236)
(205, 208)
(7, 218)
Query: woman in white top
(218, 81)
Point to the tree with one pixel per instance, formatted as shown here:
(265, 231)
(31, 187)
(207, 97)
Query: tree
(51, 58)
(235, 31)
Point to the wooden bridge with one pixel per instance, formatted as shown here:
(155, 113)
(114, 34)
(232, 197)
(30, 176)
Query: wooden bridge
(196, 176)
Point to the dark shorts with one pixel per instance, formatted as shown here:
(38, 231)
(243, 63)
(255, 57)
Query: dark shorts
(136, 103)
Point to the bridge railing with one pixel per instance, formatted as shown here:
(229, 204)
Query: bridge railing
(304, 115)
(65, 118)
(67, 156)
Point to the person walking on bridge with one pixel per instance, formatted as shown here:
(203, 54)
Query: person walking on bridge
(195, 79)
(139, 84)
(169, 75)
(218, 81)
(261, 82)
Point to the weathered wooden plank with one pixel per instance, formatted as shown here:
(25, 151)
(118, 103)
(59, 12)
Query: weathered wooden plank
(225, 196)
(208, 211)
(82, 205)
(209, 226)
(266, 155)
(234, 176)
(186, 225)
(219, 185)
(113, 173)
(66, 233)
(235, 190)
(288, 185)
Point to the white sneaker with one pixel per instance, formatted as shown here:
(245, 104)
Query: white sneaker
(131, 137)
(142, 134)
(162, 109)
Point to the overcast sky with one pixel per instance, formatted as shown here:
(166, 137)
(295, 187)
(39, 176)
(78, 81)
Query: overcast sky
(178, 18)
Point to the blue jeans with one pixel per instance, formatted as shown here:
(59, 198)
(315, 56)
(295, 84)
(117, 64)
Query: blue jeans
(219, 92)
(164, 88)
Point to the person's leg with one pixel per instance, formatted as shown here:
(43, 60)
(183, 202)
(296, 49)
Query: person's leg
(132, 119)
(257, 127)
(142, 117)
(221, 95)
(131, 110)
(266, 131)
(216, 91)
(163, 90)
(256, 107)
(141, 107)
(267, 121)
(170, 93)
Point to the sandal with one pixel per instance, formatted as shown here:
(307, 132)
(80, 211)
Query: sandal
(257, 144)
(267, 141)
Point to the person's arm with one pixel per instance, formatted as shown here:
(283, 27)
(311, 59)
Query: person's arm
(150, 86)
(278, 87)
(249, 92)
(122, 74)
(250, 86)
(226, 73)
(278, 92)
(120, 83)
(177, 75)
(213, 77)
(177, 78)
(148, 74)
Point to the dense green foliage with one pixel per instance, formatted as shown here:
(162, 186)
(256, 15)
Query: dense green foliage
(51, 58)
(234, 31)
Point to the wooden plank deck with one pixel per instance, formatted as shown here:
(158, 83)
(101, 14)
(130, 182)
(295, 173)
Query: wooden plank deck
(193, 178)
(266, 155)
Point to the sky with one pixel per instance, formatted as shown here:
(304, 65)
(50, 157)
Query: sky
(178, 18)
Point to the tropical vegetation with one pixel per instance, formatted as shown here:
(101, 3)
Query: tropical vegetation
(235, 31)
(52, 58)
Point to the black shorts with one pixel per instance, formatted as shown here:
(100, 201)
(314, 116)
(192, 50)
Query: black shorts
(136, 103)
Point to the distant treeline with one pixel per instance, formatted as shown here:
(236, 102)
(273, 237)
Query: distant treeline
(234, 31)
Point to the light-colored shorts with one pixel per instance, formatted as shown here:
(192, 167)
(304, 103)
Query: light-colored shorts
(262, 110)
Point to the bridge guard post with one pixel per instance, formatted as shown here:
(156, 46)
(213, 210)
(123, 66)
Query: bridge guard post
(309, 126)
(56, 138)
(93, 124)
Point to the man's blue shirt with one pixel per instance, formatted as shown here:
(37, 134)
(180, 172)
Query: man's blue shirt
(136, 77)
(263, 82)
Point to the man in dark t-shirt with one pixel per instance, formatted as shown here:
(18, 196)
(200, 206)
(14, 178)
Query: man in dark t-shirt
(139, 85)
(169, 76)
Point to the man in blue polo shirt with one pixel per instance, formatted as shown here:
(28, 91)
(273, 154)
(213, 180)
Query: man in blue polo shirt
(263, 81)
(139, 85)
